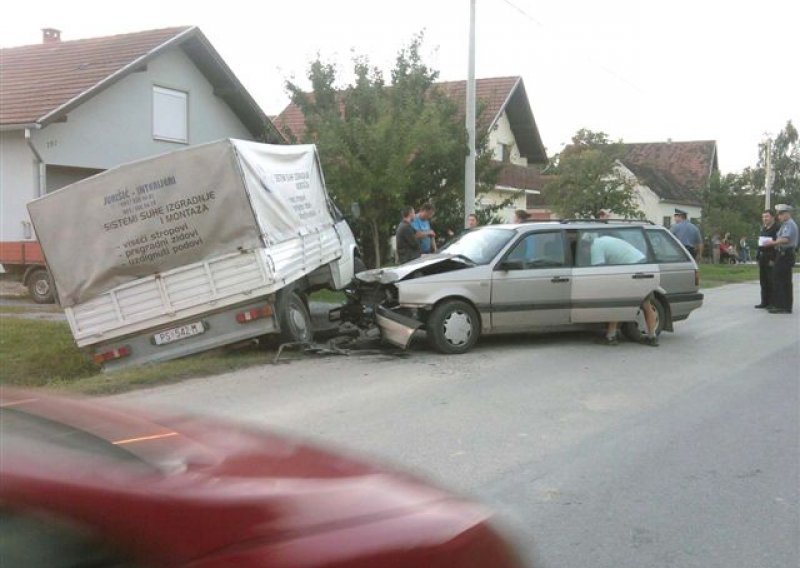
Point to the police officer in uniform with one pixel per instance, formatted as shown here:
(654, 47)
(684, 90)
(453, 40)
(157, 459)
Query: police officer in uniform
(688, 234)
(766, 258)
(785, 246)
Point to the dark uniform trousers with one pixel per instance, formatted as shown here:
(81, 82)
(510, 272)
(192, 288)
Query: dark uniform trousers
(782, 279)
(766, 268)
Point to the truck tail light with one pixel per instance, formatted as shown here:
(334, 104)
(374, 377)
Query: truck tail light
(112, 354)
(254, 314)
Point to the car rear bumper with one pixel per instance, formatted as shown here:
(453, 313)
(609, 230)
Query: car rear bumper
(681, 305)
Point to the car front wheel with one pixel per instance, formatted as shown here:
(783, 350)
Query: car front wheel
(637, 329)
(453, 327)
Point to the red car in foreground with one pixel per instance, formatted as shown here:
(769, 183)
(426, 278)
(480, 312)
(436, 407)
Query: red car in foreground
(88, 484)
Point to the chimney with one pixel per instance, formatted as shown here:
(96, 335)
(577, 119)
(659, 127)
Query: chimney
(51, 35)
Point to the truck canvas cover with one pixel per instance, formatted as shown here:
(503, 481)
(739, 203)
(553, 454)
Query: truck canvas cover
(150, 216)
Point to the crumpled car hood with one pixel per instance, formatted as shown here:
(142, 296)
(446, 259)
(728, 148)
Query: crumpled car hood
(398, 273)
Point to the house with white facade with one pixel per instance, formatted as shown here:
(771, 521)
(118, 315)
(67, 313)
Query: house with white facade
(71, 109)
(669, 176)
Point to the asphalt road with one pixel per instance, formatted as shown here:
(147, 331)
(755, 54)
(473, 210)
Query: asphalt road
(592, 456)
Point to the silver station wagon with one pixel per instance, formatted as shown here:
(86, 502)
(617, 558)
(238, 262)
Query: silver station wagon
(530, 277)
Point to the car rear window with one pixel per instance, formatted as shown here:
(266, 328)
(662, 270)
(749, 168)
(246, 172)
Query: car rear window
(665, 248)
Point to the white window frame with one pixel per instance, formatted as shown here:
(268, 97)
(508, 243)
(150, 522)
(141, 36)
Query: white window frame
(159, 130)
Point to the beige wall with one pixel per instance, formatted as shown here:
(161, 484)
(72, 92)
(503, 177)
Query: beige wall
(19, 183)
(501, 133)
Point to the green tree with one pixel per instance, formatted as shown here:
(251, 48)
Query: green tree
(588, 179)
(385, 146)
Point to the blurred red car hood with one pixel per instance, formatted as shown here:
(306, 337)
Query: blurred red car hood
(204, 485)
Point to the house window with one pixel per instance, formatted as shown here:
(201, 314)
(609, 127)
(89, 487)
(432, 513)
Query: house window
(667, 221)
(170, 115)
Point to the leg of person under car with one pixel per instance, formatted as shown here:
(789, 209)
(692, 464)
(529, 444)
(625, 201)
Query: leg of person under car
(651, 320)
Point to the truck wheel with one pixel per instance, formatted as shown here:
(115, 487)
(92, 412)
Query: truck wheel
(294, 319)
(637, 330)
(40, 287)
(453, 327)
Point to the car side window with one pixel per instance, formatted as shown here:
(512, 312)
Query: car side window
(538, 250)
(665, 248)
(36, 540)
(611, 247)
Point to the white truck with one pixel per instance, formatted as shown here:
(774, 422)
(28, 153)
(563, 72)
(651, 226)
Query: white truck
(194, 249)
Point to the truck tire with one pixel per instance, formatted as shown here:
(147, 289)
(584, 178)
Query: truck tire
(294, 318)
(40, 287)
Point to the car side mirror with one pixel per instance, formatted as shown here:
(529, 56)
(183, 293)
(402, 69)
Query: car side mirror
(511, 265)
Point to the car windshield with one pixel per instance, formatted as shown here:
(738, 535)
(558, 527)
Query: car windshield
(480, 246)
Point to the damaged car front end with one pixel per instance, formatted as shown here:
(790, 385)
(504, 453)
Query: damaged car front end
(441, 293)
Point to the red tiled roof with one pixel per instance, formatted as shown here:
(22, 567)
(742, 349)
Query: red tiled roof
(38, 79)
(522, 177)
(495, 94)
(689, 163)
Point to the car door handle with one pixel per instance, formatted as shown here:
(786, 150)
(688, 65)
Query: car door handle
(559, 279)
(640, 275)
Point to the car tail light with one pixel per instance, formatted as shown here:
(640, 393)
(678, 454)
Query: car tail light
(697, 278)
(112, 354)
(254, 314)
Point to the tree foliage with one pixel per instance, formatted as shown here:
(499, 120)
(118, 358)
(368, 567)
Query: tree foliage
(733, 203)
(588, 179)
(385, 146)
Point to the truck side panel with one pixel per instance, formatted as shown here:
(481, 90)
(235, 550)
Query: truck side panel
(157, 301)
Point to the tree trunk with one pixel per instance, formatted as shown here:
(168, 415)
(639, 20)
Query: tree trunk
(376, 242)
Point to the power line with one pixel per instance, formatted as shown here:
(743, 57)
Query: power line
(589, 58)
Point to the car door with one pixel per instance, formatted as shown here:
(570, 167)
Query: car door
(531, 283)
(678, 272)
(612, 274)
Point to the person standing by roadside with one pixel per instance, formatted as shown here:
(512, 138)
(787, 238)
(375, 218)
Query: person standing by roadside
(472, 221)
(785, 246)
(744, 250)
(422, 225)
(688, 234)
(766, 258)
(715, 243)
(406, 238)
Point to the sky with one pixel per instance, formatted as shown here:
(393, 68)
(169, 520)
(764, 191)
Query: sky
(639, 71)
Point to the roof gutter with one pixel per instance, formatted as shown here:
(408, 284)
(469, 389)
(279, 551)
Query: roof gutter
(42, 166)
(24, 126)
(114, 77)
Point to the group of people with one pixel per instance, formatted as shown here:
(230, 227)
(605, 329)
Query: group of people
(777, 249)
(414, 235)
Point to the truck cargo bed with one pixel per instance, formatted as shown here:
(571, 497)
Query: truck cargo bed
(194, 289)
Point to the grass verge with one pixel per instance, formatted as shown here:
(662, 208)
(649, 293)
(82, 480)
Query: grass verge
(35, 353)
(712, 275)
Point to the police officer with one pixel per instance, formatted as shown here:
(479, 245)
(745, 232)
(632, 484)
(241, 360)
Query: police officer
(785, 246)
(688, 234)
(766, 258)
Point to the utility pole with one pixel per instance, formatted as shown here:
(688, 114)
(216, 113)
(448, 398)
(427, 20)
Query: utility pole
(469, 169)
(768, 177)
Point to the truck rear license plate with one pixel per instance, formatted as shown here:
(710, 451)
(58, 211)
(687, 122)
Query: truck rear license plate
(178, 333)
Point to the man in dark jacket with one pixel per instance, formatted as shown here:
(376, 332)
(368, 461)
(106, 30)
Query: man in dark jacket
(406, 237)
(766, 258)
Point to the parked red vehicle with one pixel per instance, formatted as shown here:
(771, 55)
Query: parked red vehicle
(85, 483)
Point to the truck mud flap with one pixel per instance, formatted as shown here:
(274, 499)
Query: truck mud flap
(395, 328)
